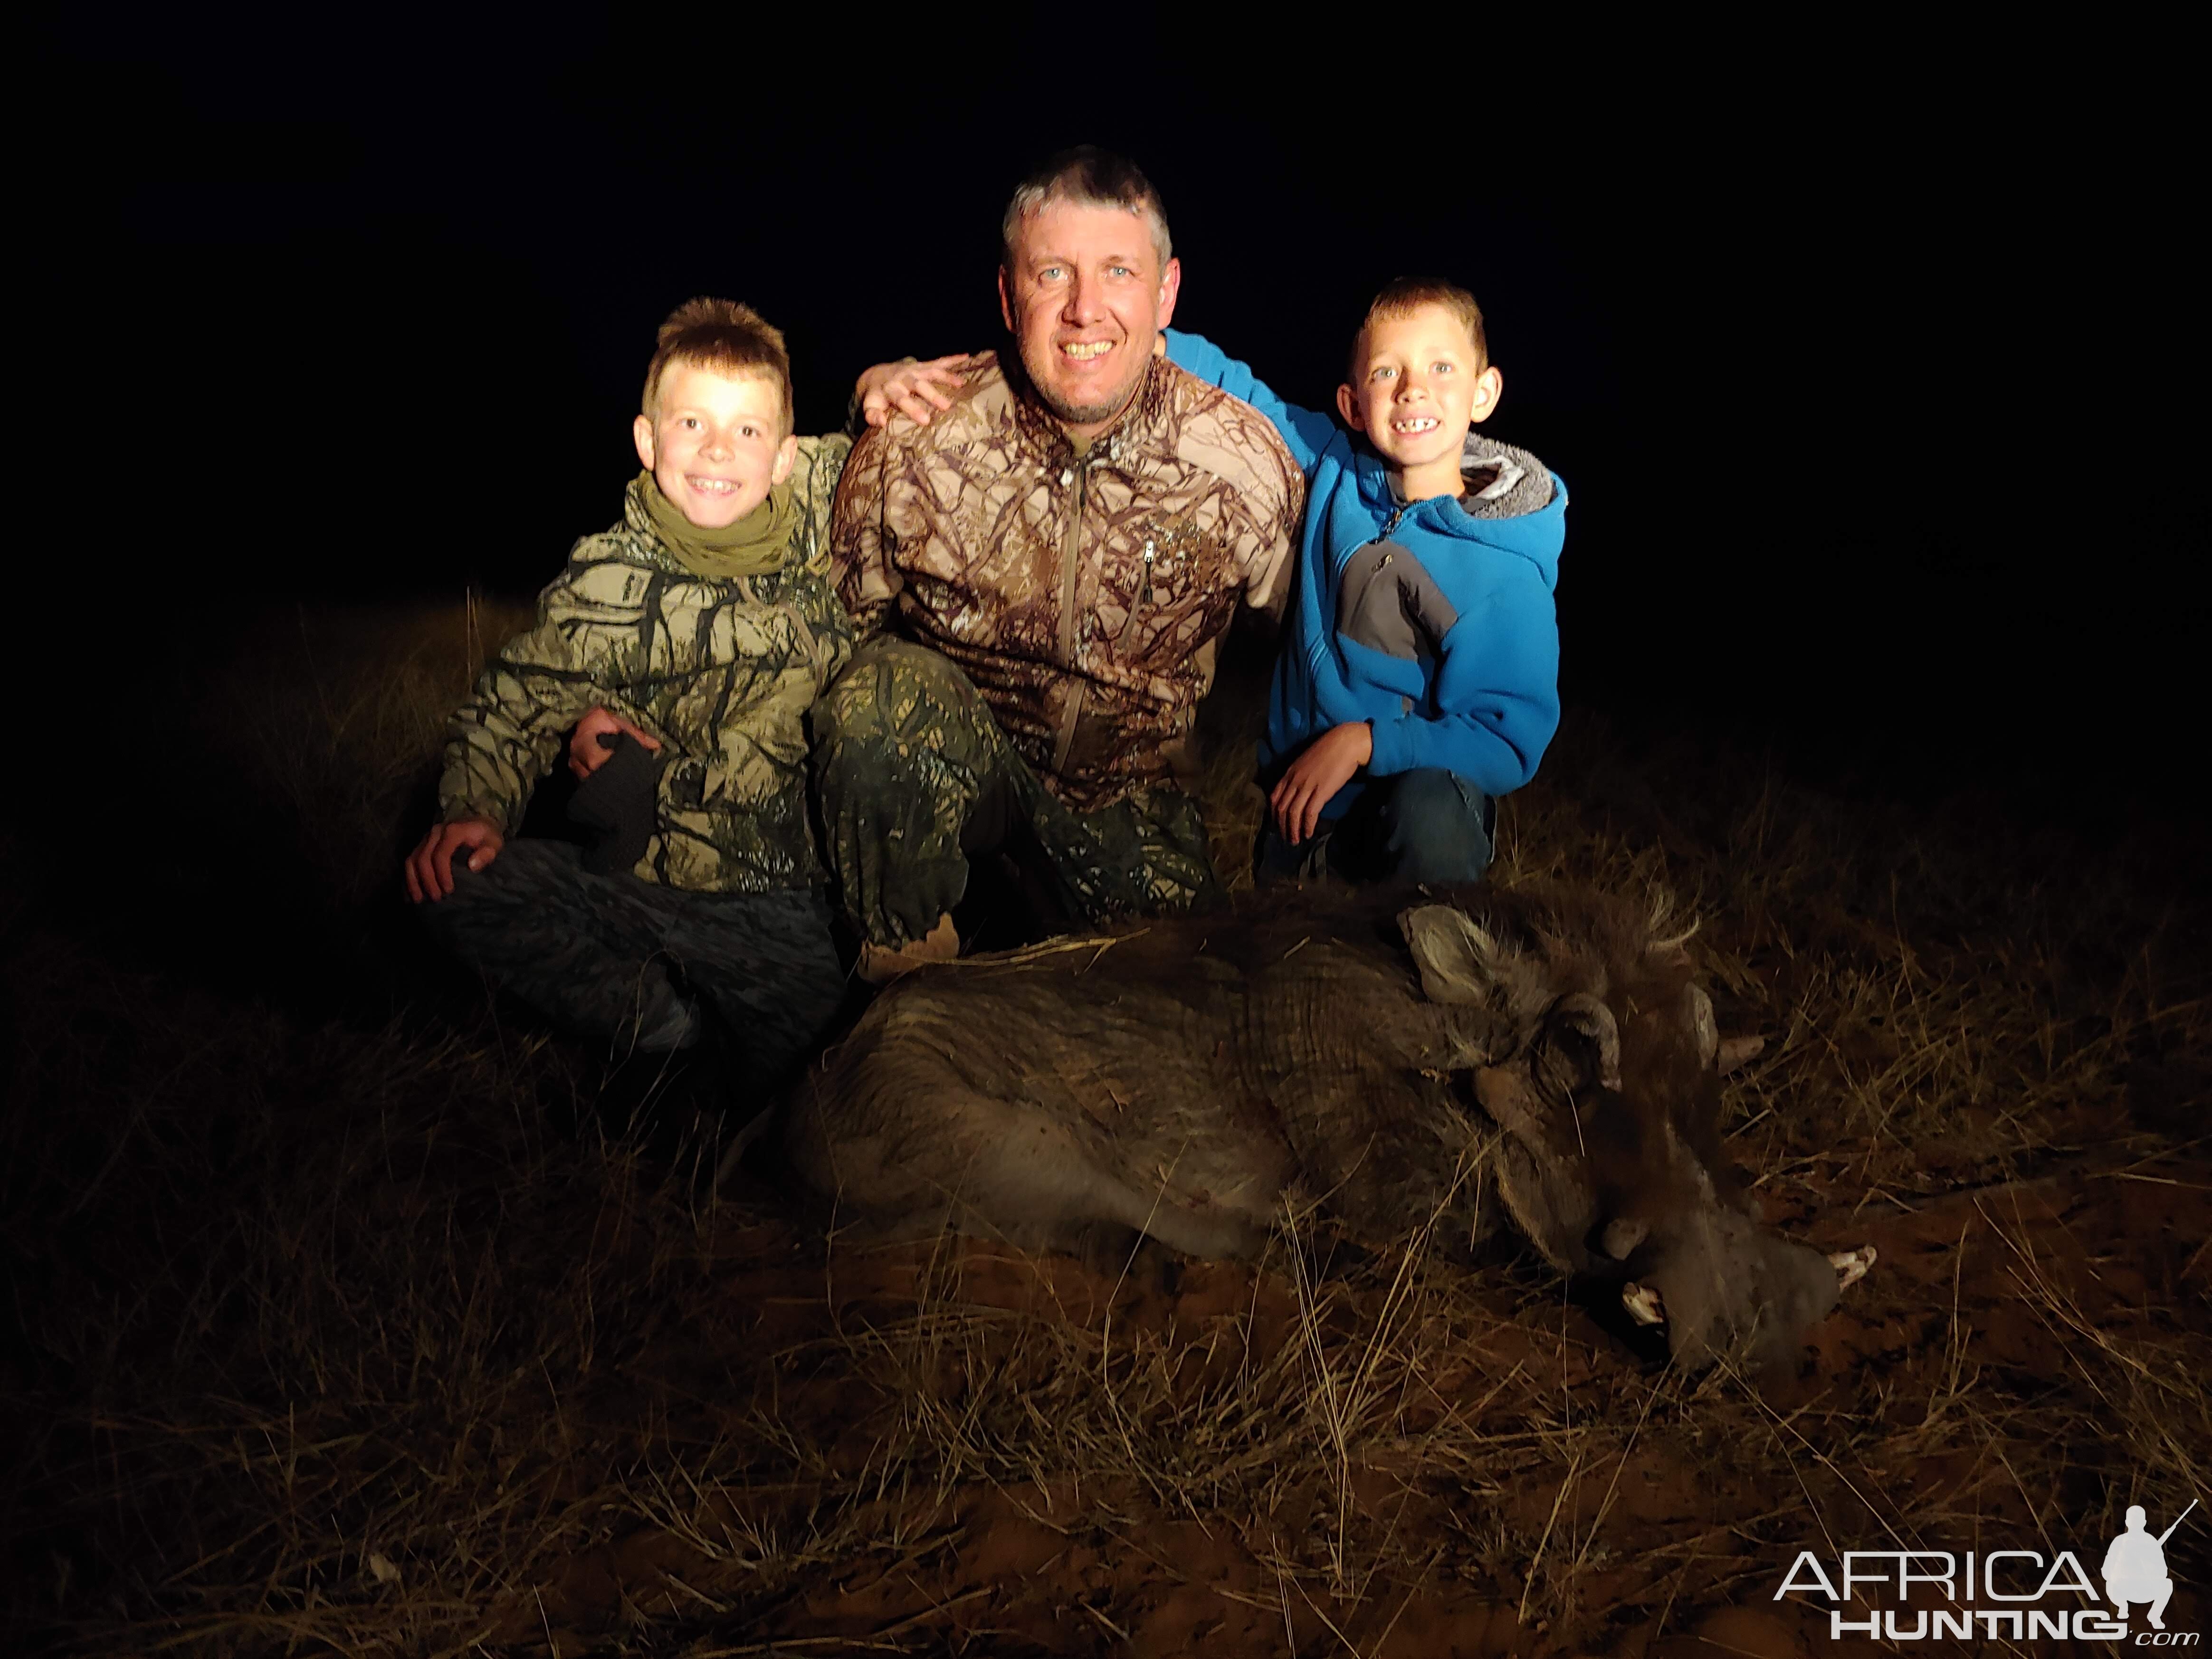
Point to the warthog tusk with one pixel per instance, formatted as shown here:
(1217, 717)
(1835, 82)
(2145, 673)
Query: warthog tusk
(1851, 1265)
(1641, 1302)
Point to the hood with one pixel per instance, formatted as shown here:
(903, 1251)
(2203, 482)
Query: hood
(1513, 503)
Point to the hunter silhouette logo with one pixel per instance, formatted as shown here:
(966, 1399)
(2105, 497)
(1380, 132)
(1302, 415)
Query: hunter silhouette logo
(2134, 1566)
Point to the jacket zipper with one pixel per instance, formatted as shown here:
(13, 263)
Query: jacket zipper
(1390, 524)
(1143, 598)
(1071, 562)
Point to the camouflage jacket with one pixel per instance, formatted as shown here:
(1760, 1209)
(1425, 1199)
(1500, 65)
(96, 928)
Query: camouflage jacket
(1084, 595)
(722, 671)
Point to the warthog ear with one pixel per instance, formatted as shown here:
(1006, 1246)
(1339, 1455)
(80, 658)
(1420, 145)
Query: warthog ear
(1458, 961)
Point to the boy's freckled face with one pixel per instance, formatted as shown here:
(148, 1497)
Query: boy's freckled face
(718, 445)
(1420, 387)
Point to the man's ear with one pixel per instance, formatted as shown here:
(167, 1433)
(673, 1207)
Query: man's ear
(1489, 386)
(786, 455)
(641, 430)
(1005, 305)
(1347, 406)
(1171, 286)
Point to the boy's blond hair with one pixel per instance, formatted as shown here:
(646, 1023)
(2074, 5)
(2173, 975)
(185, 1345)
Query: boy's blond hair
(1402, 296)
(725, 337)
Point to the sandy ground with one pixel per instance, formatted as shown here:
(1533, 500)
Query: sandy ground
(2001, 1278)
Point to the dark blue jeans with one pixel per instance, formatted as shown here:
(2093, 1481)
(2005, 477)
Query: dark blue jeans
(1426, 825)
(614, 956)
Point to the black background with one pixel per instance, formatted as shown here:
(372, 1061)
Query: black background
(1869, 355)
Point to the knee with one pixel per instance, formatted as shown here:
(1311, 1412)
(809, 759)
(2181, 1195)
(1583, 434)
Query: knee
(518, 867)
(524, 864)
(529, 878)
(1440, 827)
(1433, 795)
(891, 687)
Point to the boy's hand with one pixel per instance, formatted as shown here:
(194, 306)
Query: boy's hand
(1315, 777)
(586, 755)
(910, 388)
(429, 867)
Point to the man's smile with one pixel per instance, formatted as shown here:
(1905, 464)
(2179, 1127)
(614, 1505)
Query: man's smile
(1084, 351)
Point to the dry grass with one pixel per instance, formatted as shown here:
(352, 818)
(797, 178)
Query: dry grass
(369, 1333)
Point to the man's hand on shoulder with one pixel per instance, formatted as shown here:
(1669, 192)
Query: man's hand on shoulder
(916, 389)
(1327, 764)
(586, 753)
(429, 867)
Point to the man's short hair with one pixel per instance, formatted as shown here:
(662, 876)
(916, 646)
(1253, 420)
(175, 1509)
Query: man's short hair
(1089, 177)
(1404, 294)
(723, 335)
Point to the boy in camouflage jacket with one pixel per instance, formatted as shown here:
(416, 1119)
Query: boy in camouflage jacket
(706, 622)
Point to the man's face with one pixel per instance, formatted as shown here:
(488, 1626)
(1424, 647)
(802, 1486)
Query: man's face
(1084, 296)
(1420, 386)
(718, 444)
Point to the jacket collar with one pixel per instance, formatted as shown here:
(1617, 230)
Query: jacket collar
(1140, 425)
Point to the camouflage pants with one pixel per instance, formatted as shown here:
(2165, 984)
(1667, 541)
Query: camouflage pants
(614, 956)
(915, 778)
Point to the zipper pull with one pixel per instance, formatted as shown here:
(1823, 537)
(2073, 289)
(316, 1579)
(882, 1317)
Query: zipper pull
(1145, 596)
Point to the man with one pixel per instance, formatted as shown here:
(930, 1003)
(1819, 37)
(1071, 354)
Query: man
(1042, 576)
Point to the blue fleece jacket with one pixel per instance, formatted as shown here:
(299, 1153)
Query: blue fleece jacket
(1434, 623)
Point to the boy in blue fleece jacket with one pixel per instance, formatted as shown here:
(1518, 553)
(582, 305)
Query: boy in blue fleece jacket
(1418, 678)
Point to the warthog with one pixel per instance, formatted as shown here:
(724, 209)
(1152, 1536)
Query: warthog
(1401, 1060)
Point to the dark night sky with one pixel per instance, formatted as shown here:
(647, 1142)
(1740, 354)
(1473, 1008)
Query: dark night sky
(1852, 349)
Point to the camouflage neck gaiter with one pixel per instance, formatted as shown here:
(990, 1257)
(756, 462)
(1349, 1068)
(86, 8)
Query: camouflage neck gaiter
(756, 543)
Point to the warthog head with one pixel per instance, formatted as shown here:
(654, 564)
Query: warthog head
(1602, 1070)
